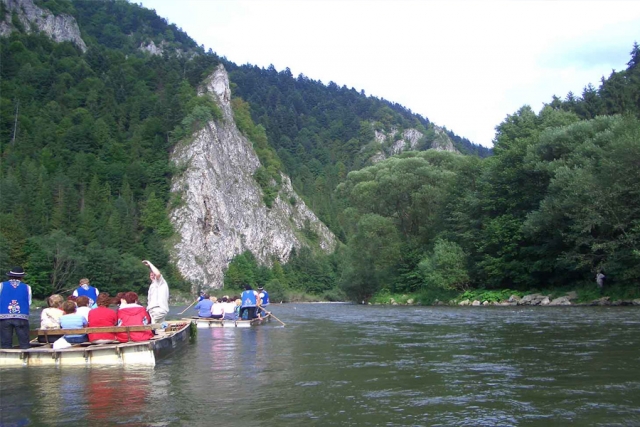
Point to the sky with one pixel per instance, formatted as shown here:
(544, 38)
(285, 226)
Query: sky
(463, 64)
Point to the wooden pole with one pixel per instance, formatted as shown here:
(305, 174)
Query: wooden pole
(283, 324)
(188, 307)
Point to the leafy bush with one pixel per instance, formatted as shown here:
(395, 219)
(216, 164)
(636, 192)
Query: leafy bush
(446, 267)
(335, 294)
(489, 295)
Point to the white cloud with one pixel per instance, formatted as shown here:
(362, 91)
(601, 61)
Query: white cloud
(462, 64)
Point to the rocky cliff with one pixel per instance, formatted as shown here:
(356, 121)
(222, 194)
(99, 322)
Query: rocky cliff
(411, 139)
(35, 19)
(222, 213)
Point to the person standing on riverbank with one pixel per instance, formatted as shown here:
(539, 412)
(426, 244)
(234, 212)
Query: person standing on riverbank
(600, 279)
(158, 296)
(15, 299)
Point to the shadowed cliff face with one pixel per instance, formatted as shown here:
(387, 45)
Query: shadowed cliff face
(222, 213)
(33, 18)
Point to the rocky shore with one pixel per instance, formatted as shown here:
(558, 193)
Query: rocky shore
(571, 298)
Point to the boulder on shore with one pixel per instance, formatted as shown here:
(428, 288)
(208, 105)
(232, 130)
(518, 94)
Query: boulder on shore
(561, 301)
(533, 299)
(514, 299)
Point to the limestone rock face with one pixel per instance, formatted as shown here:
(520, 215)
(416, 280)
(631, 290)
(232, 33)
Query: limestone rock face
(152, 48)
(442, 142)
(222, 213)
(408, 141)
(35, 19)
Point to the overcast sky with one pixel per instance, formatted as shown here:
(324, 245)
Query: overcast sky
(462, 64)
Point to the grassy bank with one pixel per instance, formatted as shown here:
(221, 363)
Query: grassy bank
(586, 292)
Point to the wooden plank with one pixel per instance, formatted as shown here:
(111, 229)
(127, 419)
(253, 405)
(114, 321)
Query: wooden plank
(108, 329)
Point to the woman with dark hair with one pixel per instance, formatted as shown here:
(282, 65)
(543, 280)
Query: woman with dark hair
(102, 316)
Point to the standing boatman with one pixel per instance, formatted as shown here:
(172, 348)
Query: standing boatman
(249, 303)
(15, 299)
(88, 291)
(158, 296)
(264, 299)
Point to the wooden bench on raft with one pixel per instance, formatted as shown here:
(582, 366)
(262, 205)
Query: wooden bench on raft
(82, 331)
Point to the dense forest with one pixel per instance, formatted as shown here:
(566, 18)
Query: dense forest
(85, 172)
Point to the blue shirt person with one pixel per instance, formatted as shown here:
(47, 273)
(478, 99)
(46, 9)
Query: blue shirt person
(249, 304)
(15, 299)
(204, 306)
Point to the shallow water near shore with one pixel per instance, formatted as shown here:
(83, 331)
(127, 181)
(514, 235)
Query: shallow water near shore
(337, 364)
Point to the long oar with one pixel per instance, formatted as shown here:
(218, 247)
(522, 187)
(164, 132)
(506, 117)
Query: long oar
(188, 307)
(283, 324)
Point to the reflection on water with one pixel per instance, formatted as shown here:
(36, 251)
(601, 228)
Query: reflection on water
(355, 365)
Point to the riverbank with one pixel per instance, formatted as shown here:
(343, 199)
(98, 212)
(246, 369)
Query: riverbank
(481, 297)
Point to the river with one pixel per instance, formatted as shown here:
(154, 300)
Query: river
(336, 364)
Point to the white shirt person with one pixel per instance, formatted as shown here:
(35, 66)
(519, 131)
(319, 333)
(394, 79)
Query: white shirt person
(158, 296)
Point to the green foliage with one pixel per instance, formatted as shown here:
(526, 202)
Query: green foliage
(445, 267)
(57, 7)
(268, 175)
(202, 109)
(490, 295)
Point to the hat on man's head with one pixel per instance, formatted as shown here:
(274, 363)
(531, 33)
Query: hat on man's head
(16, 272)
(260, 287)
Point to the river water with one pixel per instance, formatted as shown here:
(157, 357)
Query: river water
(336, 364)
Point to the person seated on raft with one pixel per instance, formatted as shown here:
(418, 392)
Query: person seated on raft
(102, 317)
(82, 302)
(228, 309)
(217, 311)
(237, 302)
(73, 320)
(204, 307)
(119, 301)
(50, 317)
(133, 314)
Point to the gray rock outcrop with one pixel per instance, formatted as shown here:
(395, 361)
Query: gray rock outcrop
(533, 299)
(152, 48)
(409, 140)
(59, 28)
(222, 213)
(561, 301)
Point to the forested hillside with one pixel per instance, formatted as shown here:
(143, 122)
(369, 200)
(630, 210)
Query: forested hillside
(323, 132)
(85, 139)
(555, 204)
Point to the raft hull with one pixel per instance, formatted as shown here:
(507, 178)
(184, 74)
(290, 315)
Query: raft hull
(203, 323)
(143, 353)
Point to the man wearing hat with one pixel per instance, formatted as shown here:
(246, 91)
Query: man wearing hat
(15, 299)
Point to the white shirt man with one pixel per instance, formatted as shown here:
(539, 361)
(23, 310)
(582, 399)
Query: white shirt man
(158, 296)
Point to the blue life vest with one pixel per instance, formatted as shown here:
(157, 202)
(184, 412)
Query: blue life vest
(90, 293)
(264, 298)
(14, 300)
(248, 299)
